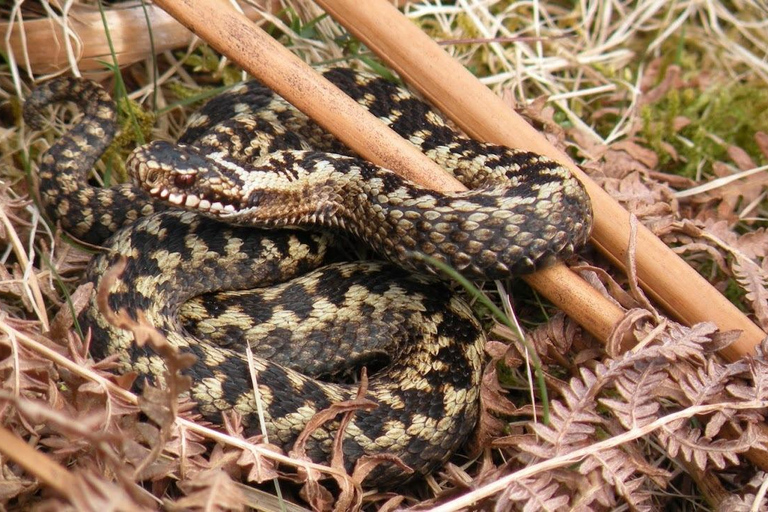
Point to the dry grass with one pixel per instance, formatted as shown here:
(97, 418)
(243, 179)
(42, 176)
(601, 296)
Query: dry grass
(663, 103)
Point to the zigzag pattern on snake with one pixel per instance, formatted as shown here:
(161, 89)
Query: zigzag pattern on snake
(249, 158)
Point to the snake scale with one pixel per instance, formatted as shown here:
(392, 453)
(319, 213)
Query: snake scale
(189, 230)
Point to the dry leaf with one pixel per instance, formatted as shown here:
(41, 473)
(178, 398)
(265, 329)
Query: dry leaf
(754, 279)
(208, 490)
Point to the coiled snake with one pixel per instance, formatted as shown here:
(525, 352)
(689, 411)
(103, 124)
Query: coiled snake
(249, 158)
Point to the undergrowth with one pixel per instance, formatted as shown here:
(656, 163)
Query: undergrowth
(663, 103)
(692, 127)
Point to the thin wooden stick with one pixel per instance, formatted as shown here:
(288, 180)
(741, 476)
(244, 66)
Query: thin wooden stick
(680, 290)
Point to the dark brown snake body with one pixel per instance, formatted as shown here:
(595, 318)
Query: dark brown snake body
(250, 159)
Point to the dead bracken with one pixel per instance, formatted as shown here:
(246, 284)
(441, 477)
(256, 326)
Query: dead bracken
(667, 424)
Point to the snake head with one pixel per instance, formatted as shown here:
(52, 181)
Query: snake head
(185, 177)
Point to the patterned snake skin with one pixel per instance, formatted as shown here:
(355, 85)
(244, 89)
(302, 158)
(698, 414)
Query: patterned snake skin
(249, 159)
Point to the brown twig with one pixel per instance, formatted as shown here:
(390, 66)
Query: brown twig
(76, 40)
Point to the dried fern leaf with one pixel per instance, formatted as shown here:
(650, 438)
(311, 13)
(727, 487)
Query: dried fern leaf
(754, 280)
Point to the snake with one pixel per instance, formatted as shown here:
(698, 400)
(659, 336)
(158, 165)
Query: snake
(231, 240)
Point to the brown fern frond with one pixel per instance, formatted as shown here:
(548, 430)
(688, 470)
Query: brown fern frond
(753, 244)
(571, 423)
(619, 470)
(757, 388)
(555, 338)
(745, 251)
(754, 280)
(209, 490)
(679, 342)
(693, 446)
(540, 493)
(746, 503)
(639, 389)
(704, 385)
(708, 385)
(591, 493)
(752, 498)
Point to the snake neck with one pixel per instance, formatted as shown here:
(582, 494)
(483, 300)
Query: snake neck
(508, 226)
(493, 232)
(89, 213)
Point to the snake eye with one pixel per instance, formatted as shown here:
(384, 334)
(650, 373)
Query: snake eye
(184, 180)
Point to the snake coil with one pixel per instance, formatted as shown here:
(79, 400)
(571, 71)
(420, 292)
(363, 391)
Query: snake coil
(249, 161)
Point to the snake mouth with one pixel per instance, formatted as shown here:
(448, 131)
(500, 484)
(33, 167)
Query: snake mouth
(195, 202)
(178, 175)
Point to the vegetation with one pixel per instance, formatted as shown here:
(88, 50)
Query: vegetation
(664, 104)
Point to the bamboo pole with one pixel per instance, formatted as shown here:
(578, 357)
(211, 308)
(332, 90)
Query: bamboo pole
(680, 290)
(280, 70)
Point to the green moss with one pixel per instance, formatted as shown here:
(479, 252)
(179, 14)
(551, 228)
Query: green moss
(205, 61)
(719, 117)
(136, 126)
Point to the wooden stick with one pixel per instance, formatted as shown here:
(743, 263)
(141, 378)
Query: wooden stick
(680, 290)
(280, 70)
(40, 44)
